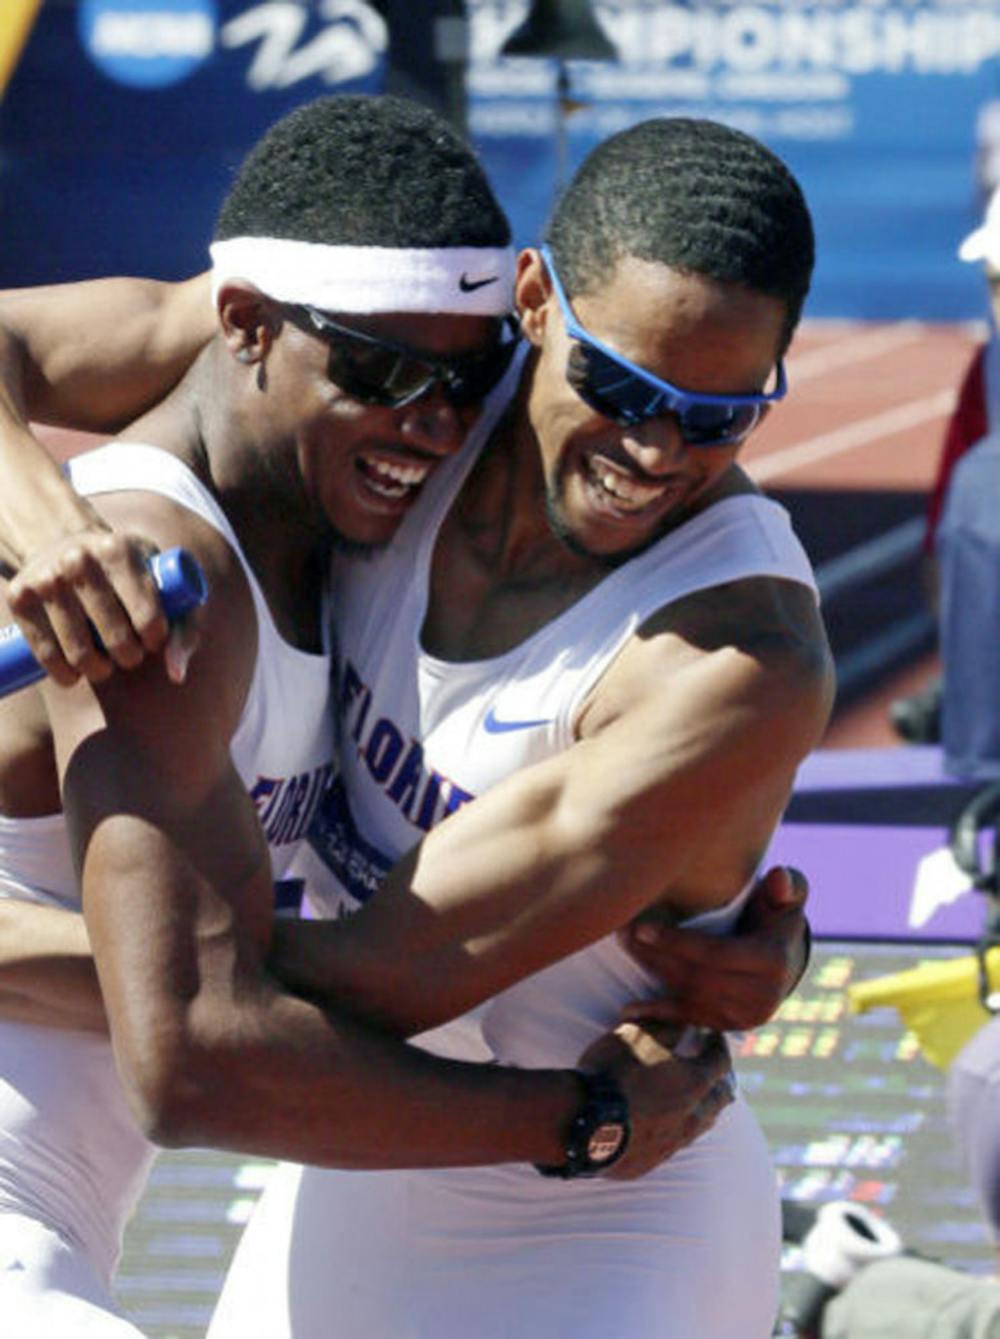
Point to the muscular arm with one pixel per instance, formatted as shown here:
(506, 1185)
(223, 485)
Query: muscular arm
(673, 791)
(95, 355)
(88, 355)
(177, 893)
(47, 974)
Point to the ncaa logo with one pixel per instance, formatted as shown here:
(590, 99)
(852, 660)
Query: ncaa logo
(148, 43)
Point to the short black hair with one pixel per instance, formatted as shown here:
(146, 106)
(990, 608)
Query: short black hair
(364, 170)
(695, 195)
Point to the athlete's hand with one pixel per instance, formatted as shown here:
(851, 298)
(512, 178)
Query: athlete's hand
(734, 982)
(673, 1098)
(87, 605)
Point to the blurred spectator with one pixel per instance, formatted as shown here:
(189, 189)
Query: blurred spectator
(974, 1107)
(917, 718)
(859, 1282)
(910, 1298)
(969, 614)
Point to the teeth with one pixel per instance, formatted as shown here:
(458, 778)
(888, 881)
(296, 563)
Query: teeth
(401, 474)
(391, 479)
(386, 488)
(626, 491)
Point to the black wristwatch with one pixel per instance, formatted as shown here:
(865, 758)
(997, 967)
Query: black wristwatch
(598, 1134)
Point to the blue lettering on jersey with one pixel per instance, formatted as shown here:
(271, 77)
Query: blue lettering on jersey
(385, 744)
(358, 865)
(285, 805)
(396, 764)
(399, 768)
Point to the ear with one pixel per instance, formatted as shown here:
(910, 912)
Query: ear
(532, 290)
(249, 320)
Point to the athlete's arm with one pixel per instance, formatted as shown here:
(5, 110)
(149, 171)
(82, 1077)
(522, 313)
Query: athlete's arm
(95, 355)
(47, 973)
(177, 893)
(734, 982)
(48, 978)
(686, 758)
(89, 355)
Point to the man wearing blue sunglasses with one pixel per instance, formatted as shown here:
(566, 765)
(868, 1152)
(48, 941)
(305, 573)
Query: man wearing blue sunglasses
(629, 394)
(594, 624)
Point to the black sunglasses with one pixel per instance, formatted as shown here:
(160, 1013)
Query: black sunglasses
(380, 371)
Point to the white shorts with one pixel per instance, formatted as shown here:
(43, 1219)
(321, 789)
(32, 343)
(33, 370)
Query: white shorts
(50, 1290)
(690, 1252)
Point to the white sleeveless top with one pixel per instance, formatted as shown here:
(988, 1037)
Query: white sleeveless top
(421, 736)
(70, 1153)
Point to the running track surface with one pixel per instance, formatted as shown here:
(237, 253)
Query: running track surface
(866, 408)
(866, 411)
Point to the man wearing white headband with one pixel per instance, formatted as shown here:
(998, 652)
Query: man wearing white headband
(307, 416)
(540, 867)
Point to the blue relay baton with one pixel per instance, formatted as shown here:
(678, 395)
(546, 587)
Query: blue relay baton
(177, 576)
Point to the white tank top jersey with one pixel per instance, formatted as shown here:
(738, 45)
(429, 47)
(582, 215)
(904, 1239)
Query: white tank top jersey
(420, 737)
(690, 1251)
(70, 1153)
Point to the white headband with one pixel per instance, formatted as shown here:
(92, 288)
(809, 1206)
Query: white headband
(468, 280)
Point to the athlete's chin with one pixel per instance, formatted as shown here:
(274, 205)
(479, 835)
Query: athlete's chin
(608, 545)
(368, 528)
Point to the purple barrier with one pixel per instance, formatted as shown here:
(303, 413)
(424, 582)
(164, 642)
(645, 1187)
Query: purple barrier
(869, 827)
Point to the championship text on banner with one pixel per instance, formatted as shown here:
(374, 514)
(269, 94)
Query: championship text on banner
(124, 120)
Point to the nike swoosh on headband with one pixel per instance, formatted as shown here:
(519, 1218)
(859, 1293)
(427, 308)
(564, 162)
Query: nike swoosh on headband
(494, 726)
(468, 285)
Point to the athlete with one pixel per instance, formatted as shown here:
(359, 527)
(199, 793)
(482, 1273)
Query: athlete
(592, 623)
(176, 883)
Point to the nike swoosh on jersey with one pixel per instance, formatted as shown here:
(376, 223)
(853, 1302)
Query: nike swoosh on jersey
(468, 285)
(494, 726)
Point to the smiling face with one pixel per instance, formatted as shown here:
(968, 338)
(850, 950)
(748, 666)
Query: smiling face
(362, 465)
(610, 489)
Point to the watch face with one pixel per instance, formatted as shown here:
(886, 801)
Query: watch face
(605, 1142)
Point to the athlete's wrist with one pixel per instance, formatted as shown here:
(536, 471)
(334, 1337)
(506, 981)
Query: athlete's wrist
(598, 1133)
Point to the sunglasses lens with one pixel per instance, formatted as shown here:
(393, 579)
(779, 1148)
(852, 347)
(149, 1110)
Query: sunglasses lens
(612, 389)
(377, 375)
(607, 387)
(716, 424)
(618, 394)
(467, 380)
(377, 372)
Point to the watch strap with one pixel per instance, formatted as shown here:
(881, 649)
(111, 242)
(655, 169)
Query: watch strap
(604, 1105)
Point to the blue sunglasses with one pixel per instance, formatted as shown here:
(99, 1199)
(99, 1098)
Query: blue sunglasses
(628, 394)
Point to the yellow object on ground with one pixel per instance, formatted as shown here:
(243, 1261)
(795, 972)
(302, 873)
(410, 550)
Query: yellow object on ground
(938, 1002)
(16, 19)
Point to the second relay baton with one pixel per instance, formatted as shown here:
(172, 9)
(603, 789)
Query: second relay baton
(177, 576)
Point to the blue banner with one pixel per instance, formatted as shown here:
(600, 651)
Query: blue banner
(873, 103)
(125, 119)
